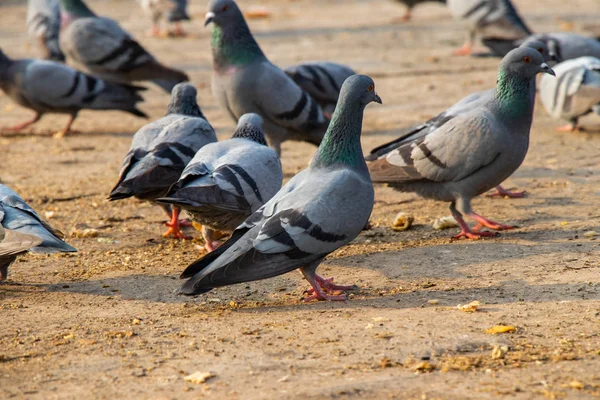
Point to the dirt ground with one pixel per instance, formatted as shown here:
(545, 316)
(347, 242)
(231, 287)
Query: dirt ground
(104, 322)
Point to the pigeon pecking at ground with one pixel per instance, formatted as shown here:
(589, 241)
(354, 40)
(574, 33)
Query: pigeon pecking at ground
(473, 152)
(175, 11)
(319, 210)
(245, 81)
(102, 48)
(575, 92)
(464, 105)
(161, 150)
(43, 25)
(18, 216)
(229, 180)
(497, 22)
(46, 86)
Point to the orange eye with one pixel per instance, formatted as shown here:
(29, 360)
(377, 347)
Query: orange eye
(541, 50)
(225, 7)
(526, 60)
(371, 88)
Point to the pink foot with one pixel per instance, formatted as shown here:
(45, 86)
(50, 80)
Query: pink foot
(484, 222)
(465, 50)
(468, 234)
(501, 192)
(567, 128)
(211, 246)
(174, 225)
(328, 286)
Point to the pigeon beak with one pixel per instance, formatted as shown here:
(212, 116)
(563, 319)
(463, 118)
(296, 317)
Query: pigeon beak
(547, 69)
(209, 17)
(377, 99)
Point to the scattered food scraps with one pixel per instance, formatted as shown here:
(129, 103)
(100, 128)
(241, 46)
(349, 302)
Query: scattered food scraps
(469, 308)
(498, 352)
(423, 367)
(494, 330)
(84, 233)
(445, 223)
(402, 222)
(199, 377)
(590, 234)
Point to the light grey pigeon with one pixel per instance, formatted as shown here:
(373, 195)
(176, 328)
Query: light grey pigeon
(568, 45)
(319, 210)
(473, 152)
(12, 245)
(495, 21)
(465, 105)
(16, 215)
(410, 4)
(174, 10)
(43, 25)
(161, 150)
(322, 80)
(46, 86)
(102, 48)
(227, 181)
(245, 81)
(575, 92)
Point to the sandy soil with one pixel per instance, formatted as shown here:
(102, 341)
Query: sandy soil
(104, 322)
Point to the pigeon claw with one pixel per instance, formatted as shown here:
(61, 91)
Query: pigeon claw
(503, 193)
(325, 289)
(474, 235)
(176, 233)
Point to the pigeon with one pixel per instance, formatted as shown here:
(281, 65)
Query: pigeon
(18, 216)
(175, 11)
(100, 47)
(319, 210)
(464, 105)
(46, 86)
(575, 93)
(569, 45)
(474, 151)
(410, 4)
(161, 150)
(495, 21)
(43, 25)
(322, 81)
(227, 181)
(245, 81)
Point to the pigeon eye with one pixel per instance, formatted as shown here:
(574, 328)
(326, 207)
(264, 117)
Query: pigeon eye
(224, 8)
(371, 88)
(526, 60)
(541, 50)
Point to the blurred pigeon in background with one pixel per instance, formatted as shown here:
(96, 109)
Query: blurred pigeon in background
(43, 25)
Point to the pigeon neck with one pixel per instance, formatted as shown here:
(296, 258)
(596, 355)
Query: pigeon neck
(234, 45)
(341, 144)
(184, 107)
(250, 132)
(514, 96)
(76, 9)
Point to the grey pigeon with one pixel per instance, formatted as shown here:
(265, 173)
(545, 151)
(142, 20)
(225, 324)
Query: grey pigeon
(174, 10)
(245, 81)
(473, 152)
(575, 92)
(102, 48)
(16, 215)
(410, 4)
(161, 150)
(322, 80)
(227, 181)
(12, 245)
(43, 25)
(495, 21)
(319, 210)
(465, 105)
(565, 45)
(46, 86)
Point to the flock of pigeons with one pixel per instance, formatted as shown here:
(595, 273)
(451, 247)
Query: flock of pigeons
(234, 186)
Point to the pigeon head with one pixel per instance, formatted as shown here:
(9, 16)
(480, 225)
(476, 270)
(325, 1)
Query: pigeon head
(359, 89)
(250, 126)
(542, 47)
(524, 62)
(222, 12)
(183, 101)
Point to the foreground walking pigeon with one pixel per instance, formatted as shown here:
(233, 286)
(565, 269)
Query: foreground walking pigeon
(473, 152)
(43, 25)
(102, 48)
(245, 81)
(495, 21)
(410, 4)
(52, 87)
(575, 92)
(161, 150)
(322, 81)
(227, 181)
(16, 215)
(174, 10)
(319, 210)
(464, 105)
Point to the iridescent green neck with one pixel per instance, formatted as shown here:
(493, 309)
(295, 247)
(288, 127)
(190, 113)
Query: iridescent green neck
(341, 144)
(77, 8)
(234, 46)
(513, 95)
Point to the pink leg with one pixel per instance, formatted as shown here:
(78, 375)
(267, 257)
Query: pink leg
(482, 221)
(209, 243)
(318, 293)
(465, 231)
(328, 286)
(25, 124)
(67, 128)
(501, 192)
(465, 50)
(173, 225)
